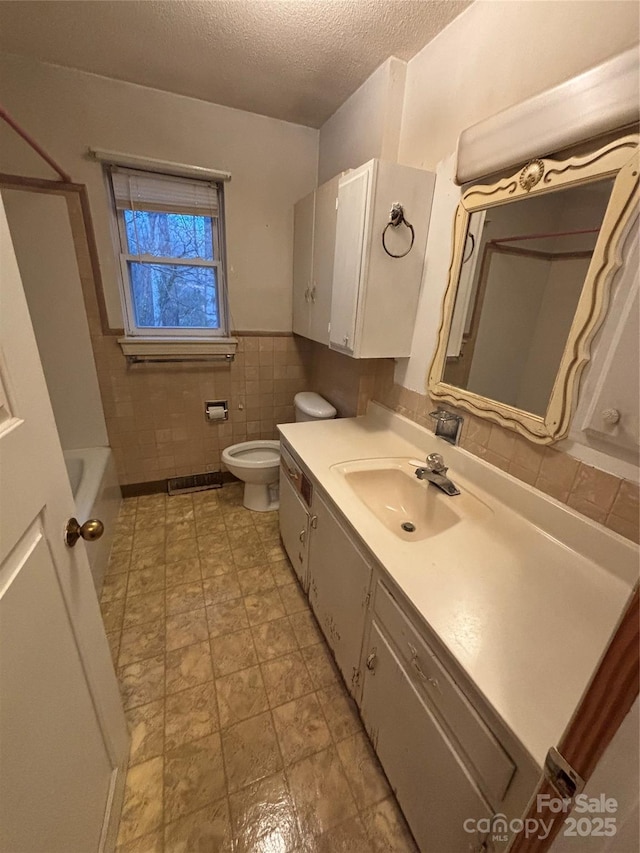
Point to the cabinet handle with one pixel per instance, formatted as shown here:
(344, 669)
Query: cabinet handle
(307, 294)
(371, 660)
(313, 293)
(303, 535)
(314, 521)
(415, 663)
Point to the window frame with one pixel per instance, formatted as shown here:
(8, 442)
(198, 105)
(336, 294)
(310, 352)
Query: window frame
(132, 330)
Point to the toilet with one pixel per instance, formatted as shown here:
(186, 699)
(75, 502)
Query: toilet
(257, 463)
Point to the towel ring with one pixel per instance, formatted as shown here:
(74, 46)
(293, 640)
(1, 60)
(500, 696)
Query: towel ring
(396, 218)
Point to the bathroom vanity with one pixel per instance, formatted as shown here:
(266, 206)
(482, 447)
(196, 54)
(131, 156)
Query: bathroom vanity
(467, 641)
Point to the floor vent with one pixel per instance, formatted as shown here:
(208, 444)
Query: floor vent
(194, 483)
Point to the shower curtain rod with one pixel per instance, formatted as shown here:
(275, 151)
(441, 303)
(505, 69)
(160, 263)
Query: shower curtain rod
(13, 124)
(540, 236)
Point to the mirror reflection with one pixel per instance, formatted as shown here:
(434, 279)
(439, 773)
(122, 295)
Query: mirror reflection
(523, 268)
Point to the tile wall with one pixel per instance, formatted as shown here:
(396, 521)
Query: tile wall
(607, 499)
(347, 383)
(155, 412)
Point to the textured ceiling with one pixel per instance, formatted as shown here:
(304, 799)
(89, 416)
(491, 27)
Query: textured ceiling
(296, 60)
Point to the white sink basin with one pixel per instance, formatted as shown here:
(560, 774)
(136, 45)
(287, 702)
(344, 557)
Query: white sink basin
(393, 493)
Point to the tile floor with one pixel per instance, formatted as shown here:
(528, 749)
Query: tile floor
(243, 737)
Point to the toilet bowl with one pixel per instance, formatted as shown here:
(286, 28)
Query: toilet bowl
(257, 464)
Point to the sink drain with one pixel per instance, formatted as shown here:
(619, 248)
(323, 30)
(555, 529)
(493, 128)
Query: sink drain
(408, 527)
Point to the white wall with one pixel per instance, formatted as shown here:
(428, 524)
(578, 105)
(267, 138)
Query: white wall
(273, 164)
(43, 243)
(496, 54)
(367, 125)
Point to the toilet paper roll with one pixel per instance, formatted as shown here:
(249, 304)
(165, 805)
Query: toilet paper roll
(216, 413)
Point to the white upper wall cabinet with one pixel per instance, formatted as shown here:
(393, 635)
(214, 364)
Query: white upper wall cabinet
(374, 295)
(313, 248)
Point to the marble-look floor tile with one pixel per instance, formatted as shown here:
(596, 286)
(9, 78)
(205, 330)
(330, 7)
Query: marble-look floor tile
(387, 828)
(340, 711)
(286, 678)
(141, 641)
(142, 807)
(241, 695)
(188, 667)
(144, 608)
(178, 529)
(143, 581)
(244, 537)
(142, 682)
(146, 727)
(276, 553)
(113, 638)
(321, 666)
(233, 652)
(362, 769)
(147, 558)
(293, 598)
(183, 549)
(226, 617)
(256, 579)
(306, 628)
(282, 573)
(320, 793)
(193, 776)
(236, 516)
(301, 728)
(190, 715)
(118, 562)
(185, 597)
(185, 571)
(151, 843)
(250, 751)
(112, 614)
(114, 586)
(186, 629)
(274, 639)
(263, 817)
(206, 831)
(264, 607)
(221, 588)
(347, 837)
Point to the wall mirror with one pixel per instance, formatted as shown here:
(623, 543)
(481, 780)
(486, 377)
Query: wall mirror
(532, 263)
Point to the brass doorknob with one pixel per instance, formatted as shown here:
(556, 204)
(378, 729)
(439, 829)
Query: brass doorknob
(89, 531)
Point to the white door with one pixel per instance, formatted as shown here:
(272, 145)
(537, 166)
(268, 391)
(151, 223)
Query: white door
(63, 735)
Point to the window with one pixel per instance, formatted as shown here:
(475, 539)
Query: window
(171, 237)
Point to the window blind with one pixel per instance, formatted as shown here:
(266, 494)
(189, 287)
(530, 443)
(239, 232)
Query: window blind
(134, 190)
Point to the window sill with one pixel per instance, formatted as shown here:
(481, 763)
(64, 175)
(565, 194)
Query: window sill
(178, 349)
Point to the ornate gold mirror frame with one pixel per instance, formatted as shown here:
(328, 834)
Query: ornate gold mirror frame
(617, 159)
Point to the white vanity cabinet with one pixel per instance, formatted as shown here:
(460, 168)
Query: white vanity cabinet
(424, 728)
(294, 521)
(375, 296)
(313, 248)
(339, 582)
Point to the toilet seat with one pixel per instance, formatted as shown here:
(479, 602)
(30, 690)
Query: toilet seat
(253, 454)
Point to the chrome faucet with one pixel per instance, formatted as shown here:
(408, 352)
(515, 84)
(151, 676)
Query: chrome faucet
(435, 472)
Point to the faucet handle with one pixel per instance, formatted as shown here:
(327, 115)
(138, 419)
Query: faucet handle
(435, 463)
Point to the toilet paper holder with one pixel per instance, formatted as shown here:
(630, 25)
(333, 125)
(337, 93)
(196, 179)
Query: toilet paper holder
(216, 410)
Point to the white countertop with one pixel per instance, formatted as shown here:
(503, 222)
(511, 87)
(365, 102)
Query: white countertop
(524, 599)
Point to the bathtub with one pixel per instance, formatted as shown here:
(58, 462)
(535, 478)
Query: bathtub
(96, 491)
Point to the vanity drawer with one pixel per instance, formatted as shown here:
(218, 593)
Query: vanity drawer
(494, 769)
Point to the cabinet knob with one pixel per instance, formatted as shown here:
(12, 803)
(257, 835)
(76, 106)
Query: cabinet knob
(371, 660)
(302, 535)
(610, 416)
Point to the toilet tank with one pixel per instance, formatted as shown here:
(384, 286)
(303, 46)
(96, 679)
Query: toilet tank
(310, 406)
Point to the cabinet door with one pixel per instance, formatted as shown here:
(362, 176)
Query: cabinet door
(432, 785)
(303, 216)
(324, 242)
(353, 202)
(339, 579)
(294, 528)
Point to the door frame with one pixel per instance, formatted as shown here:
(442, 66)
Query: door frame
(613, 689)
